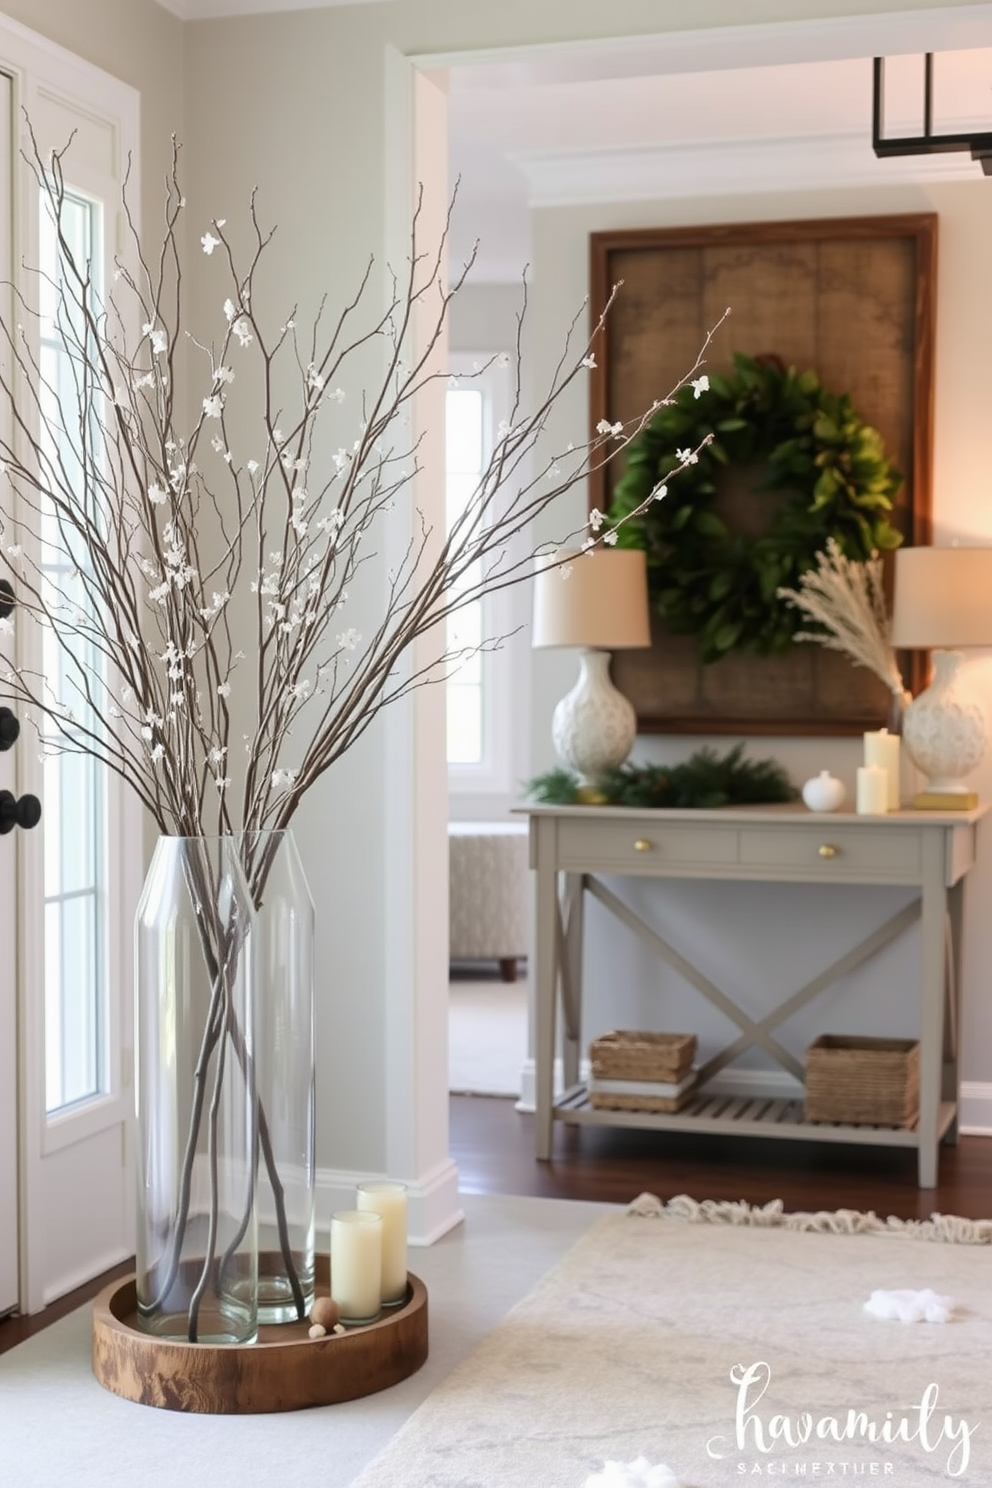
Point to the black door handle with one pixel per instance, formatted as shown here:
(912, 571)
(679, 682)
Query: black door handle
(9, 729)
(13, 813)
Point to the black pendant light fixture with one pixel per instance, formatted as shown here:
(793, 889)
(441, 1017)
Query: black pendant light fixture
(927, 143)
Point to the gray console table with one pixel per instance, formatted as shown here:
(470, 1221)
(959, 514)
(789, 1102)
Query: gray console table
(572, 848)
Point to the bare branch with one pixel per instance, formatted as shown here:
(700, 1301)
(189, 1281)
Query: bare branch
(141, 531)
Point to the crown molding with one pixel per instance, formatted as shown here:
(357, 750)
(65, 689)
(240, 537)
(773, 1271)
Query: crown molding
(571, 177)
(721, 48)
(211, 10)
(936, 29)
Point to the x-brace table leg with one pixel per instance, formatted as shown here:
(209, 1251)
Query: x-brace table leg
(755, 1031)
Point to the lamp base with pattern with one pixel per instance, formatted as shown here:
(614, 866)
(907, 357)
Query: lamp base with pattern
(594, 726)
(945, 731)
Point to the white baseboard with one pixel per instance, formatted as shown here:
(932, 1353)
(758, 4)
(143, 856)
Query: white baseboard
(775, 1084)
(95, 1266)
(528, 1083)
(975, 1109)
(432, 1201)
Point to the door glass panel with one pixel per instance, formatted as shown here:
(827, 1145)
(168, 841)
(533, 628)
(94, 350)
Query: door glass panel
(76, 1005)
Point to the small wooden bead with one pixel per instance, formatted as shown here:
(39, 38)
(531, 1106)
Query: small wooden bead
(325, 1311)
(318, 1330)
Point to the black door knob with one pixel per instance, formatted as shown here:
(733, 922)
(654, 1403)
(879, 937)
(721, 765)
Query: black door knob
(13, 813)
(9, 729)
(6, 604)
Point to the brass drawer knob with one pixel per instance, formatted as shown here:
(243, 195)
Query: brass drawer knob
(643, 845)
(827, 850)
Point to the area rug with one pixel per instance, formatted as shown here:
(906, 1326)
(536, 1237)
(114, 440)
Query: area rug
(731, 1345)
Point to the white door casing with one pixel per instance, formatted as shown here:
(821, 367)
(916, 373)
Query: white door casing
(74, 1198)
(413, 157)
(8, 877)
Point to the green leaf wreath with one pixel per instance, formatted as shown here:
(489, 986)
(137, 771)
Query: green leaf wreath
(705, 780)
(826, 474)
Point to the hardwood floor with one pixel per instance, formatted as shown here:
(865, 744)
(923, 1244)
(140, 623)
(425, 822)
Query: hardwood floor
(14, 1330)
(493, 1145)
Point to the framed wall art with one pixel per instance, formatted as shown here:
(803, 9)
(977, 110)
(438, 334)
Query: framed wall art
(852, 299)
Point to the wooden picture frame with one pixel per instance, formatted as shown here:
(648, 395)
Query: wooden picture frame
(852, 298)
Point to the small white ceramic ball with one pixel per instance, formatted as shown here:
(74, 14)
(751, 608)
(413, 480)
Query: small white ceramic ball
(824, 792)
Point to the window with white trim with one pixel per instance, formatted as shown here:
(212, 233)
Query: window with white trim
(74, 819)
(478, 686)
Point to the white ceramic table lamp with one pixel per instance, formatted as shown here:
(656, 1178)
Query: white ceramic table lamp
(943, 600)
(596, 601)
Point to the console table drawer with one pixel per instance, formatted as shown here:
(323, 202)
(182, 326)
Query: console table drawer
(644, 846)
(892, 853)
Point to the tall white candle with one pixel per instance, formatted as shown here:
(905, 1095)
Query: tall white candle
(882, 750)
(388, 1200)
(356, 1264)
(873, 791)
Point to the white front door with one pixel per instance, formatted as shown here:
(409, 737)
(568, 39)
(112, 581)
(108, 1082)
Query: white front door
(68, 887)
(8, 876)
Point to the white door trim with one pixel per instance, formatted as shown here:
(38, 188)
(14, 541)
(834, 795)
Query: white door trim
(8, 868)
(75, 1200)
(415, 852)
(413, 142)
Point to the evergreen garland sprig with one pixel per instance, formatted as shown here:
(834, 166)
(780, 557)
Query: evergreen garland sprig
(704, 781)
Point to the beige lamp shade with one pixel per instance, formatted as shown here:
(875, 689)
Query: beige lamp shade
(943, 597)
(596, 599)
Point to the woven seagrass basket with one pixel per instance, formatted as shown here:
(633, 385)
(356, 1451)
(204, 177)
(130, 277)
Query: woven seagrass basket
(863, 1081)
(641, 1060)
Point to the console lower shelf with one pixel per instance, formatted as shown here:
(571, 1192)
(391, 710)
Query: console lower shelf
(744, 1116)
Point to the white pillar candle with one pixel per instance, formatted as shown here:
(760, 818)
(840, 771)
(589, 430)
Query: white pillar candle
(388, 1200)
(873, 791)
(882, 750)
(356, 1264)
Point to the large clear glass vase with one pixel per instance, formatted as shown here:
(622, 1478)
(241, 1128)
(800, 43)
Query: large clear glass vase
(284, 932)
(197, 1241)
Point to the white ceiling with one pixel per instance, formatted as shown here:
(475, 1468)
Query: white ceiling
(517, 143)
(688, 113)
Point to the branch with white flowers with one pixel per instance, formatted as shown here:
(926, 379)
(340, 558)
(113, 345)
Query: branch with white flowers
(156, 531)
(195, 574)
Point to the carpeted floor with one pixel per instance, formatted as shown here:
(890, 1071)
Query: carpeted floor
(487, 1033)
(618, 1346)
(727, 1352)
(59, 1429)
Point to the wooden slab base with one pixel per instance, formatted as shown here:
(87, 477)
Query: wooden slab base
(284, 1370)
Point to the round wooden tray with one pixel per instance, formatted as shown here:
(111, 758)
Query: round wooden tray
(284, 1370)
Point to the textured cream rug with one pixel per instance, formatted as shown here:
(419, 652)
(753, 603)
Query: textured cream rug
(732, 1345)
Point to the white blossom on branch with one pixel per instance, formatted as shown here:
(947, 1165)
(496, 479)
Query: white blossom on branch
(207, 574)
